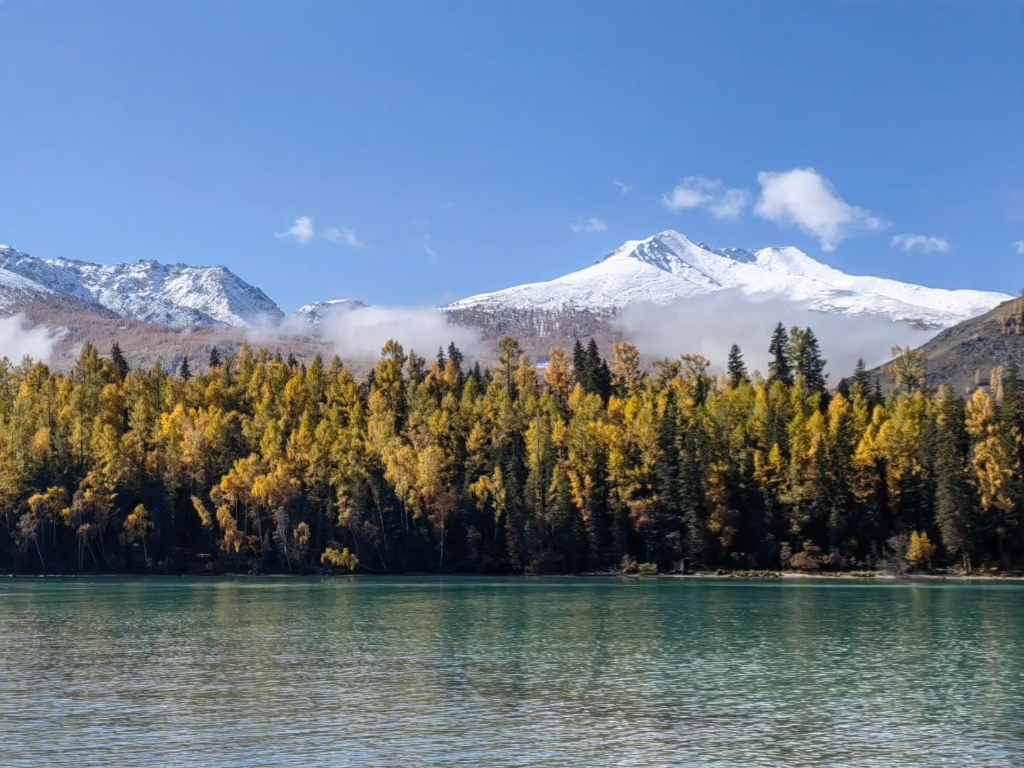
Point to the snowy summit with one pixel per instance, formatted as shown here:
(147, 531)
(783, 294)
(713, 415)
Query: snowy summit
(669, 266)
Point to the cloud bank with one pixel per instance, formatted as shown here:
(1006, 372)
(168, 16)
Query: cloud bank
(804, 198)
(922, 243)
(17, 340)
(710, 194)
(710, 324)
(359, 333)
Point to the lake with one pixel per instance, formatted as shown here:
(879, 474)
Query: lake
(509, 672)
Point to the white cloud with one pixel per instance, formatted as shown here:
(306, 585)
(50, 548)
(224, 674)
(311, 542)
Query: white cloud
(805, 198)
(624, 187)
(301, 231)
(1019, 245)
(17, 340)
(711, 194)
(922, 242)
(731, 317)
(342, 236)
(429, 249)
(358, 333)
(589, 224)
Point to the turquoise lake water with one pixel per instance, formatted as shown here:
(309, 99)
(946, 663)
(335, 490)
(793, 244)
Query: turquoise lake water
(509, 672)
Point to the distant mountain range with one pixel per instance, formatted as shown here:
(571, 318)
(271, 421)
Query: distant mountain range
(665, 268)
(169, 294)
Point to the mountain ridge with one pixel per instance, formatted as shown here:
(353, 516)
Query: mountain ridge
(177, 295)
(669, 266)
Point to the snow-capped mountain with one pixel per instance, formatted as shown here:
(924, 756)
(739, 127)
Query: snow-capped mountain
(668, 267)
(313, 313)
(171, 294)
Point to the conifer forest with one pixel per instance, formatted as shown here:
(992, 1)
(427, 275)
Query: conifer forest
(258, 464)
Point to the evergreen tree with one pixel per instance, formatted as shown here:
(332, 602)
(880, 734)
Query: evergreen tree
(455, 355)
(215, 361)
(779, 369)
(119, 361)
(292, 362)
(737, 369)
(441, 360)
(805, 357)
(184, 371)
(861, 378)
(580, 368)
(953, 504)
(599, 374)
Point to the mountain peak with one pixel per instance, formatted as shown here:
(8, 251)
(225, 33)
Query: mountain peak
(669, 266)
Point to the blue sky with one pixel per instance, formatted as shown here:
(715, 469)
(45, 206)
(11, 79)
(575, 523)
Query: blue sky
(442, 149)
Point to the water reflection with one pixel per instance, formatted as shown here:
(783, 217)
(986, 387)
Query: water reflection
(476, 672)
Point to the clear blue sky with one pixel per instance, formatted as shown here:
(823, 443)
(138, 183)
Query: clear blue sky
(460, 141)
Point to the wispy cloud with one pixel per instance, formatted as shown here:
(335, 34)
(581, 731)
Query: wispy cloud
(711, 194)
(430, 250)
(301, 231)
(1019, 245)
(624, 187)
(342, 236)
(806, 199)
(922, 243)
(589, 224)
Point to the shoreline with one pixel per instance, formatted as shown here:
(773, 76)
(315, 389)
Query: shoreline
(780, 576)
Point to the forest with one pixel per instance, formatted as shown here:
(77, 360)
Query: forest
(258, 464)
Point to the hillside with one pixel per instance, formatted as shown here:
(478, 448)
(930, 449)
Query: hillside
(968, 351)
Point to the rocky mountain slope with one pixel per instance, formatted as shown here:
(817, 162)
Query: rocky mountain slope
(169, 294)
(668, 267)
(964, 355)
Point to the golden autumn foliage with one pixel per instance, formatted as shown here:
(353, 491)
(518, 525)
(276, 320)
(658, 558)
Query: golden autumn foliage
(257, 464)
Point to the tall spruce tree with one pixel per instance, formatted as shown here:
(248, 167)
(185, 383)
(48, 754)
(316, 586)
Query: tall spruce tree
(954, 507)
(737, 369)
(580, 368)
(599, 374)
(805, 357)
(215, 361)
(185, 371)
(119, 361)
(779, 368)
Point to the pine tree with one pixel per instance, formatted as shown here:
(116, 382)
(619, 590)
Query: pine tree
(581, 368)
(185, 372)
(455, 355)
(737, 369)
(779, 369)
(119, 361)
(215, 361)
(599, 374)
(292, 362)
(441, 360)
(805, 357)
(954, 513)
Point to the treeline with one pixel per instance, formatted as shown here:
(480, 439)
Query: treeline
(260, 464)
